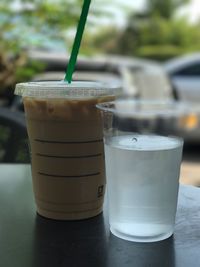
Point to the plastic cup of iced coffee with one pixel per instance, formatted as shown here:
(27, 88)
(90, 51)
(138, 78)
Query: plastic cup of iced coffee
(66, 146)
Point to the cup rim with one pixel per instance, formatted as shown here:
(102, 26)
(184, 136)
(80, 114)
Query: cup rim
(62, 89)
(144, 108)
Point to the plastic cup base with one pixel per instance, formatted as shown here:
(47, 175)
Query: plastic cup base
(141, 239)
(68, 217)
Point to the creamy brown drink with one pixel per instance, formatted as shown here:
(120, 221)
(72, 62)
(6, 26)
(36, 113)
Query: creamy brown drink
(67, 153)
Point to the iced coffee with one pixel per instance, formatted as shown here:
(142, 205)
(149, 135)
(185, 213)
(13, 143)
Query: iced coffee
(67, 153)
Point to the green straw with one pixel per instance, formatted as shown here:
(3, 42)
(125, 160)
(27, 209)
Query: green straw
(77, 41)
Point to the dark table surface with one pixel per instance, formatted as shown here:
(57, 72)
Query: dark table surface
(28, 240)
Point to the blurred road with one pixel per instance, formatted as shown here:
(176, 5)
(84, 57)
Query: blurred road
(190, 169)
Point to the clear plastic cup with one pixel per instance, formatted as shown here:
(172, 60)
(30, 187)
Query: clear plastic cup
(66, 143)
(143, 150)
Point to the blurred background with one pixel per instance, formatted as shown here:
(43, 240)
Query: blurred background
(151, 46)
(122, 38)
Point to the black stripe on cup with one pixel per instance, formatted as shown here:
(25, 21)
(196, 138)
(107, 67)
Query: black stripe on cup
(68, 157)
(69, 176)
(67, 142)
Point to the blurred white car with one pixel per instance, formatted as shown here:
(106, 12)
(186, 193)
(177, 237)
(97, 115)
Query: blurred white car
(185, 76)
(142, 79)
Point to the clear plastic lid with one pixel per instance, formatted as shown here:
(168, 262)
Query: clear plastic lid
(61, 89)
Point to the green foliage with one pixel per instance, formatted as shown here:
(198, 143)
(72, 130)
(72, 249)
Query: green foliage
(105, 40)
(158, 31)
(30, 70)
(33, 24)
(164, 8)
(155, 34)
(37, 23)
(159, 52)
